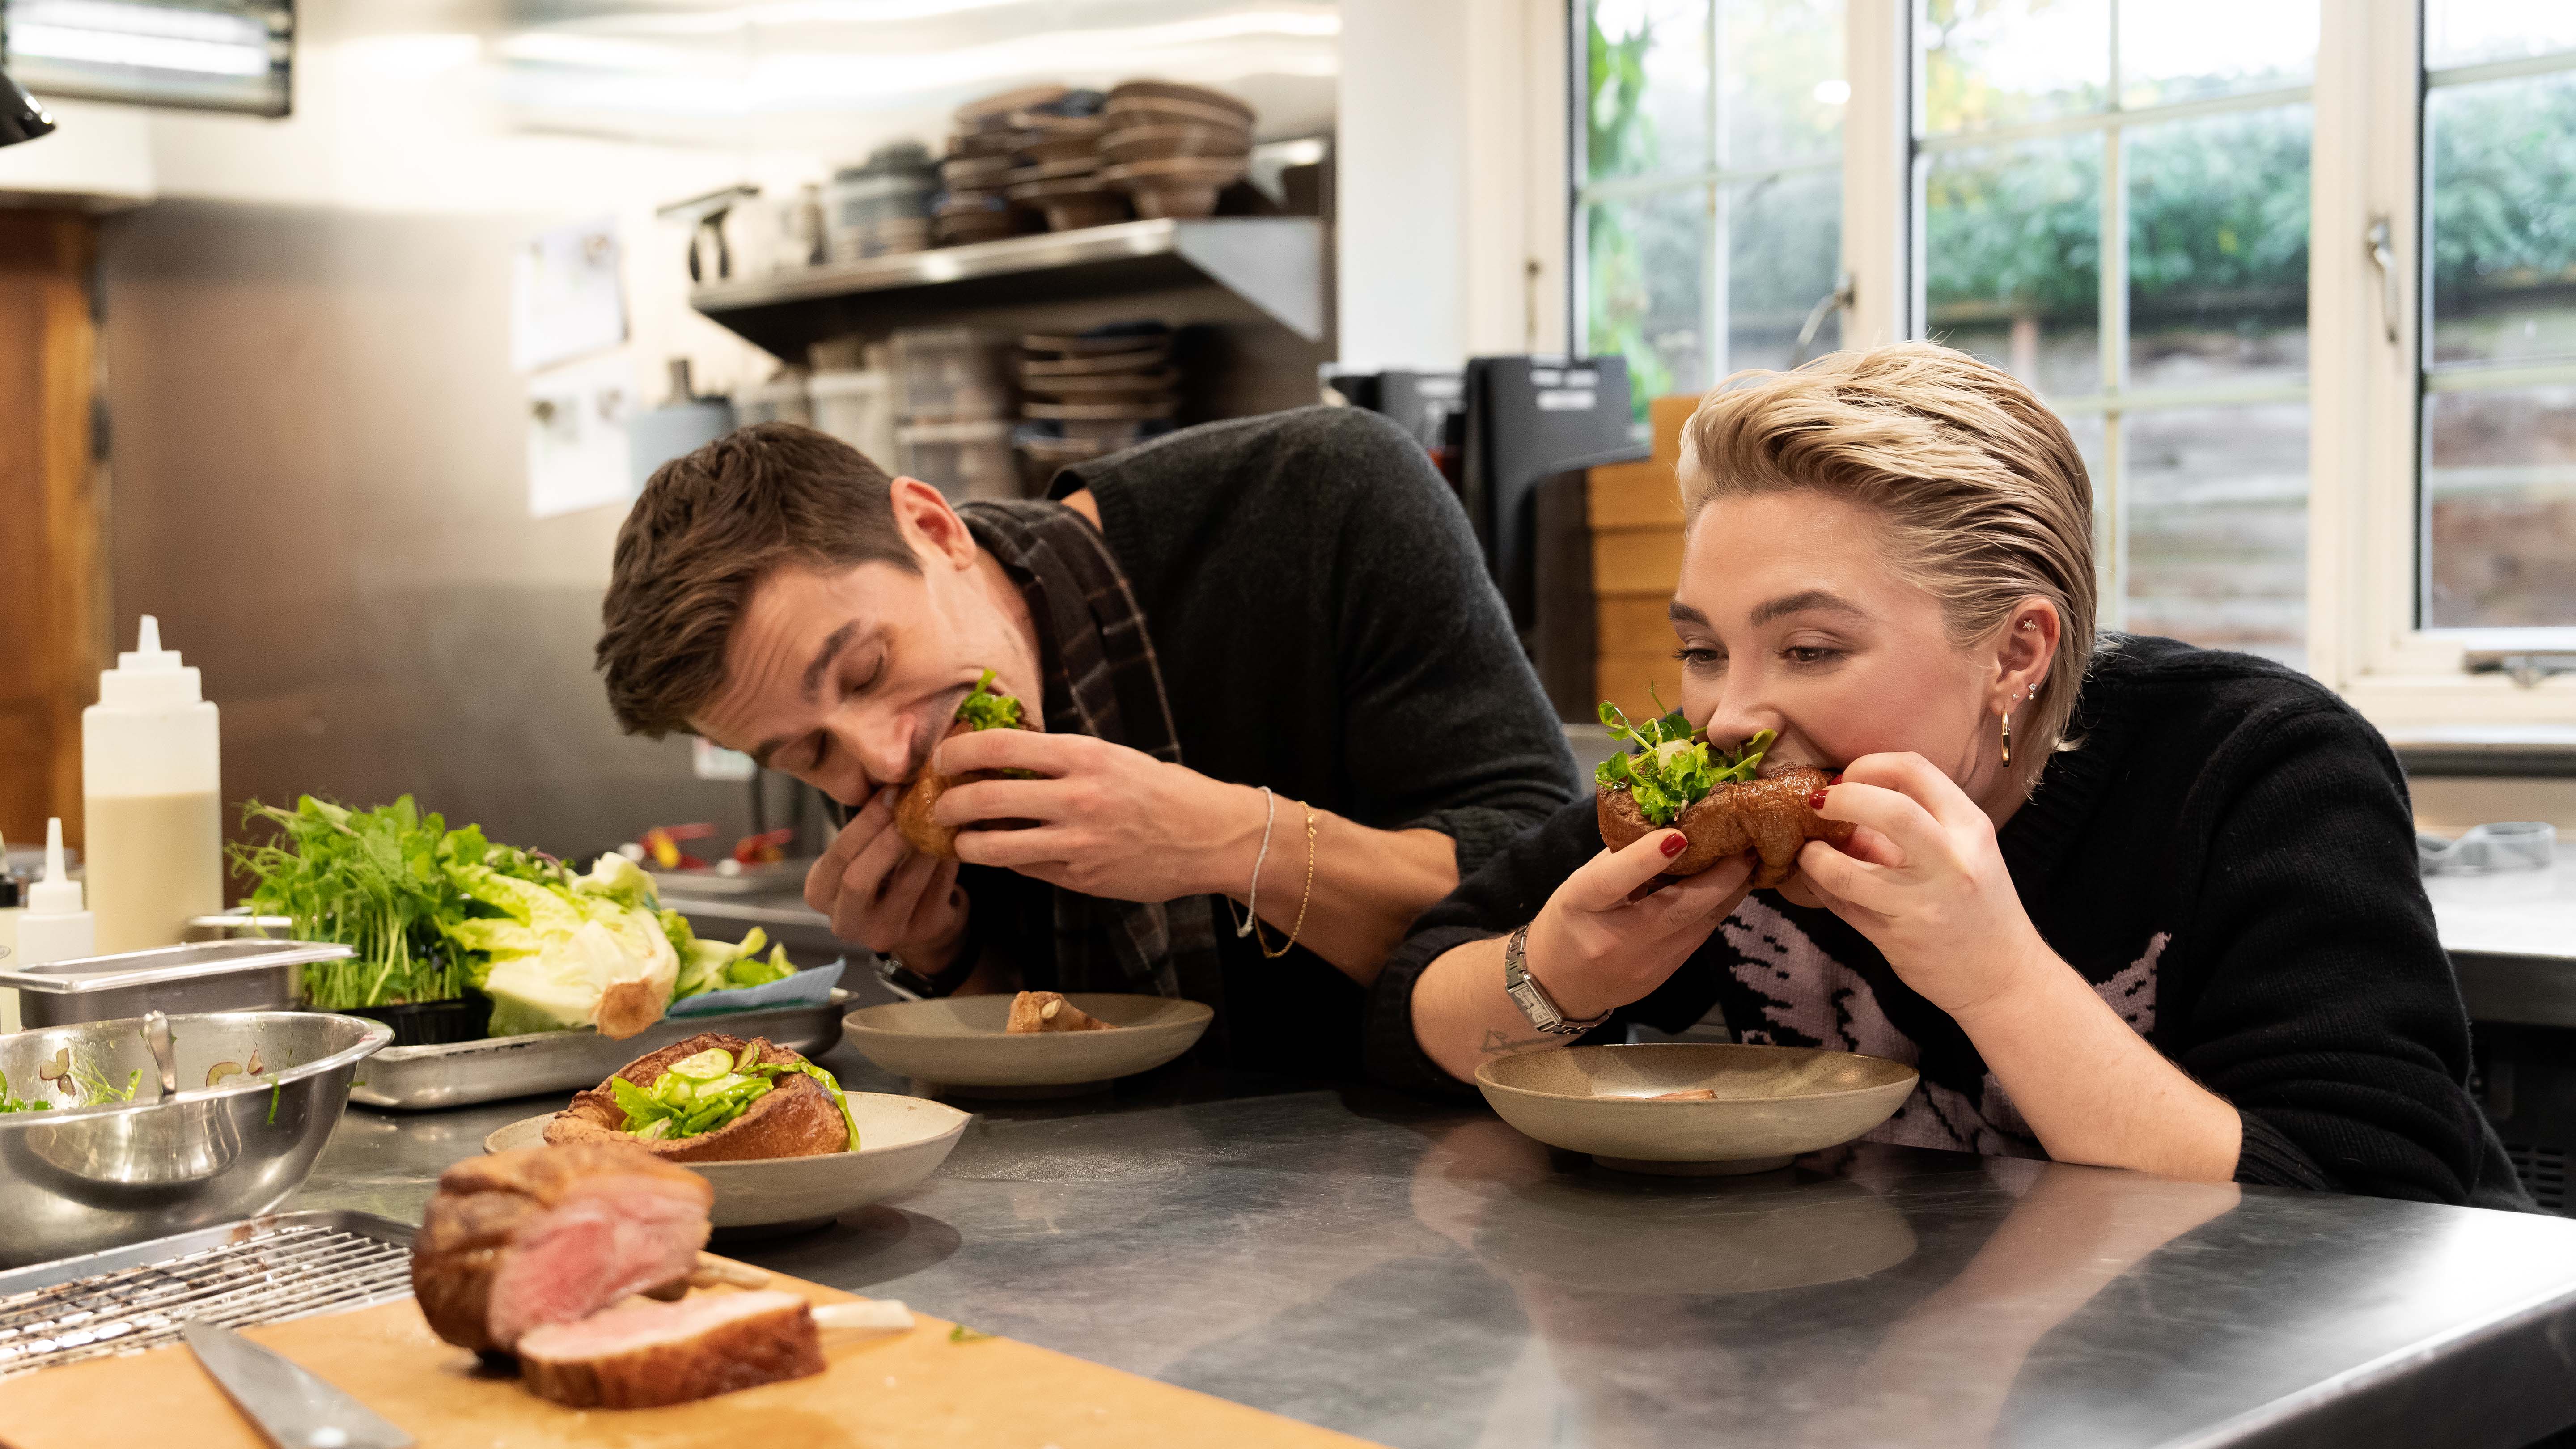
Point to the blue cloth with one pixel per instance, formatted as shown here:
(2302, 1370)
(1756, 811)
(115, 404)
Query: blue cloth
(811, 987)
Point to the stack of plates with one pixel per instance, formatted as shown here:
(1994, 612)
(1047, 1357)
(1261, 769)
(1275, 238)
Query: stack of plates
(1095, 393)
(1025, 151)
(1171, 148)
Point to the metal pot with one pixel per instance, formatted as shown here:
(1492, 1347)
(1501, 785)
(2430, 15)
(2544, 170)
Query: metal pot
(79, 1179)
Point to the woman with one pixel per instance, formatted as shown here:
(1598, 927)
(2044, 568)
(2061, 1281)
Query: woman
(2128, 903)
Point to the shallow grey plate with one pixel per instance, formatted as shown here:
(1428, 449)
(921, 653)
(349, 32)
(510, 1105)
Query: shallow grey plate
(902, 1141)
(1772, 1103)
(958, 1041)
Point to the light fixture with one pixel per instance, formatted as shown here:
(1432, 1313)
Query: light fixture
(21, 119)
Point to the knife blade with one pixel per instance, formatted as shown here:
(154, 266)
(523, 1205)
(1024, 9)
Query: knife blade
(295, 1409)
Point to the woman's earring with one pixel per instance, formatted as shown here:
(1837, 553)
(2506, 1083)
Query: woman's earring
(2004, 716)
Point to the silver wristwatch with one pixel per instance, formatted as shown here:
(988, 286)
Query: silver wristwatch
(1531, 998)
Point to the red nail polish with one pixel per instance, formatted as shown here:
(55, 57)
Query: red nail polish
(1816, 799)
(1675, 843)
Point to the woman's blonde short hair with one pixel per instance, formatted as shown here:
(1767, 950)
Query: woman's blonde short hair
(1985, 499)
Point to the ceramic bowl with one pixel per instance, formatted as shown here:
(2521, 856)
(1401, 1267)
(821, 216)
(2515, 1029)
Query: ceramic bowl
(1162, 143)
(958, 1042)
(902, 1141)
(1771, 1103)
(1185, 186)
(1148, 92)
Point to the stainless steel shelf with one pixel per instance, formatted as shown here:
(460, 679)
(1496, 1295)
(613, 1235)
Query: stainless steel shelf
(1274, 262)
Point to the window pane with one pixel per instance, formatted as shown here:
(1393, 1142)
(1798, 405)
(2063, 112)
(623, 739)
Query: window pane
(2012, 240)
(2218, 250)
(1649, 87)
(2502, 162)
(1784, 250)
(2005, 62)
(1649, 259)
(2216, 509)
(2500, 495)
(2464, 32)
(1781, 80)
(2166, 54)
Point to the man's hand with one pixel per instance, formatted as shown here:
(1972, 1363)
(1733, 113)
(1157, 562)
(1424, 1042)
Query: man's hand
(884, 894)
(1108, 821)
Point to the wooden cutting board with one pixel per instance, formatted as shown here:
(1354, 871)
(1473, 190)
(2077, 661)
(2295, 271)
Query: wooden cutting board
(914, 1390)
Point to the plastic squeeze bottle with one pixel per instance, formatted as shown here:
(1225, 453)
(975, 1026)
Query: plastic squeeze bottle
(53, 927)
(152, 786)
(8, 940)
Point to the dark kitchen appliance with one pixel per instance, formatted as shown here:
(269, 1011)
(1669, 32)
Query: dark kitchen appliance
(1516, 436)
(1535, 426)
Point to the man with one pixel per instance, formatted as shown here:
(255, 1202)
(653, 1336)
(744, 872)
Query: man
(1292, 602)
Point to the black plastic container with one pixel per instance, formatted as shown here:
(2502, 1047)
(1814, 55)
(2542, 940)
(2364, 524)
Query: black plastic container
(431, 1023)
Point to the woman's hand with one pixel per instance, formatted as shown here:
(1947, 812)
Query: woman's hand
(1923, 880)
(1597, 944)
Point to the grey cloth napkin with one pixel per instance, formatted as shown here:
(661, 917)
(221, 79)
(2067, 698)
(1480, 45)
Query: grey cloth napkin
(2505, 845)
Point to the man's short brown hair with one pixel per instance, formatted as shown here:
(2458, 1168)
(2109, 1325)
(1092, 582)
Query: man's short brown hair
(707, 528)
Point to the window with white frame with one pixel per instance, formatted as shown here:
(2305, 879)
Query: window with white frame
(2498, 486)
(2355, 451)
(1708, 183)
(2116, 209)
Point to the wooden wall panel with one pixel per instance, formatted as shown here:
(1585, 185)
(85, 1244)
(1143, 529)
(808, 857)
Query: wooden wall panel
(50, 584)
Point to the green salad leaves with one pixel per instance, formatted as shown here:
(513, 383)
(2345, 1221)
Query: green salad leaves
(982, 709)
(11, 1102)
(698, 1094)
(1672, 766)
(432, 911)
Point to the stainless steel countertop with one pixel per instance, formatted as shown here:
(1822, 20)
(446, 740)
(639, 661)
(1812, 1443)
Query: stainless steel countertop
(1423, 1275)
(2513, 937)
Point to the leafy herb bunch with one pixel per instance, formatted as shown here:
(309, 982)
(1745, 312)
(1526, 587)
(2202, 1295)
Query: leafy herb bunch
(1673, 766)
(380, 881)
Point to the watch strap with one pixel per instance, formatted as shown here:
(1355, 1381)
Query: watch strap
(1532, 998)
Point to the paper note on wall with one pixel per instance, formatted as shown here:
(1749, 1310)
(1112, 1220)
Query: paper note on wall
(577, 446)
(567, 295)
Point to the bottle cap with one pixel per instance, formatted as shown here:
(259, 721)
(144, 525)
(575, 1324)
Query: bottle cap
(148, 676)
(57, 894)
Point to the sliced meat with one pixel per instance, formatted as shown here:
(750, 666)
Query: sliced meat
(797, 1118)
(1768, 818)
(1049, 1011)
(542, 1235)
(671, 1353)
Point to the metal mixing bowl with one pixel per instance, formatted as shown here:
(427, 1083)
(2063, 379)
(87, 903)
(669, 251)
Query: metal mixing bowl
(81, 1179)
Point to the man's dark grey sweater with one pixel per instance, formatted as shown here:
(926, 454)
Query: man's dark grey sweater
(1325, 627)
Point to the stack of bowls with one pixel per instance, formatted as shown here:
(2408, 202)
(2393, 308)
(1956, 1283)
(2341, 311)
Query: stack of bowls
(977, 170)
(1059, 165)
(1025, 152)
(1094, 393)
(1171, 148)
(881, 208)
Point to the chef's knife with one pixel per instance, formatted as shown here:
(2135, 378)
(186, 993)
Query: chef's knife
(292, 1407)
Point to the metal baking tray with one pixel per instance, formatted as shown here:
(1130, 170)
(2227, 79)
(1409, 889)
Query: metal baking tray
(265, 1270)
(460, 1074)
(248, 975)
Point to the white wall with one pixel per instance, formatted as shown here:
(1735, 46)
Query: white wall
(1452, 175)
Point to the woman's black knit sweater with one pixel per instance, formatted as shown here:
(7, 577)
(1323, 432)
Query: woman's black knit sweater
(2227, 856)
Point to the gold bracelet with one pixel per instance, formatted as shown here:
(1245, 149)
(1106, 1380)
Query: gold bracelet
(1303, 901)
